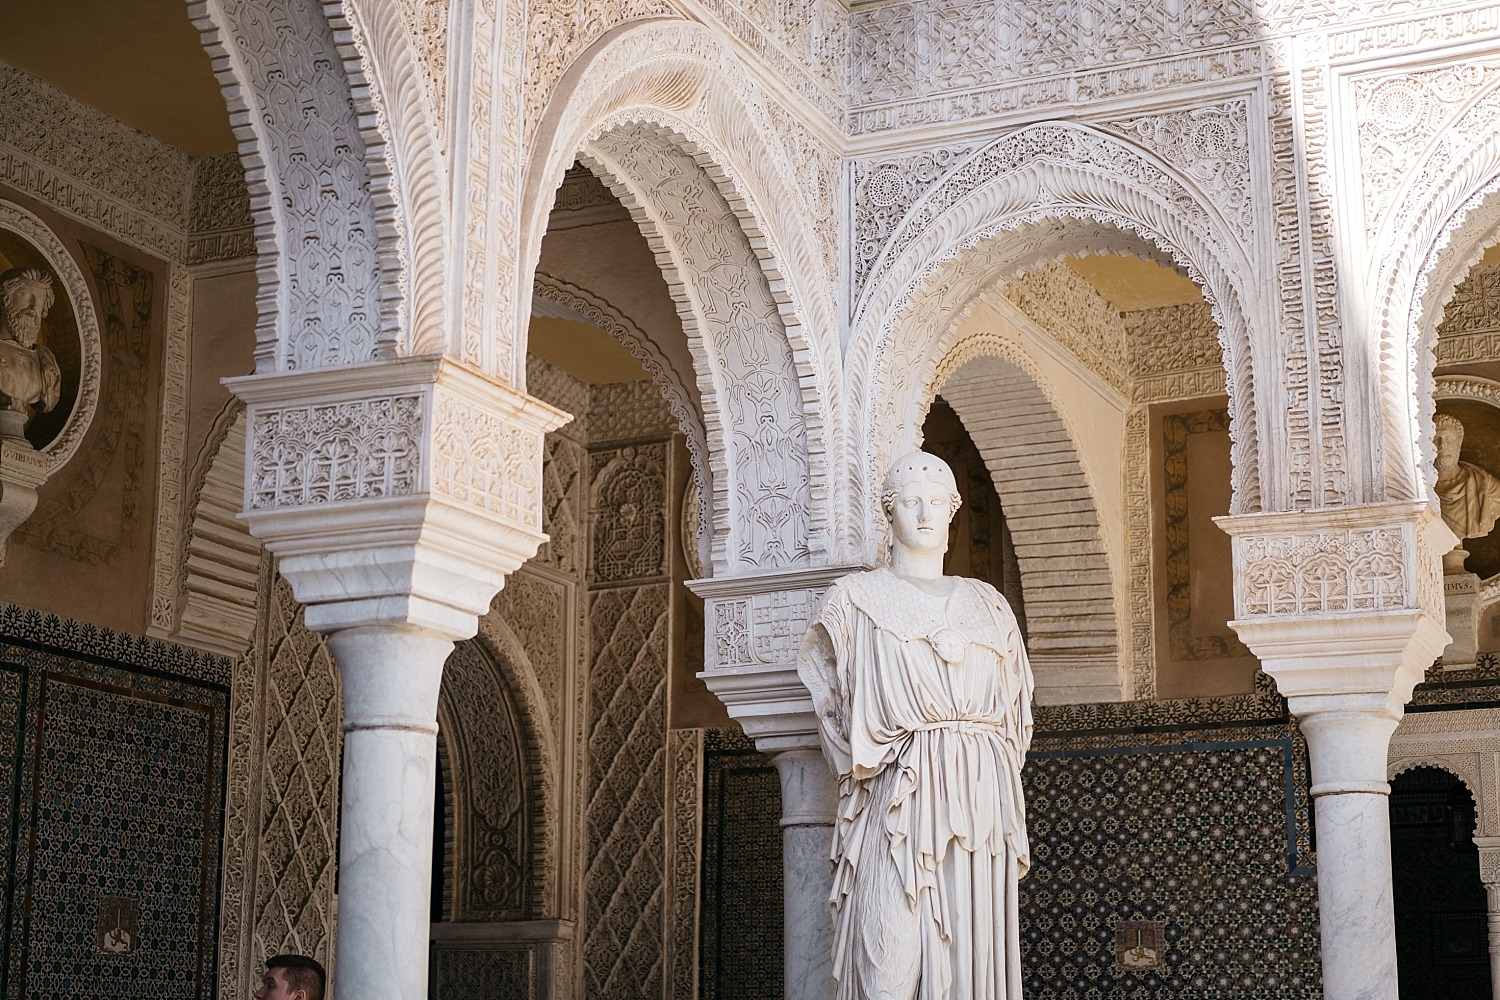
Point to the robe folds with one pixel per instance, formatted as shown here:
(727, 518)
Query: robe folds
(924, 705)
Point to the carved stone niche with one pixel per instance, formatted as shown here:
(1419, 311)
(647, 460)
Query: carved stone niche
(1471, 573)
(49, 362)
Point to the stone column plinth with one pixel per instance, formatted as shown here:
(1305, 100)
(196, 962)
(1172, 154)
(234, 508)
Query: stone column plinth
(1344, 609)
(396, 496)
(754, 628)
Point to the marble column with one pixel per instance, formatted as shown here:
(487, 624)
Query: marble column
(1489, 874)
(755, 625)
(809, 803)
(390, 679)
(1344, 608)
(1348, 739)
(396, 496)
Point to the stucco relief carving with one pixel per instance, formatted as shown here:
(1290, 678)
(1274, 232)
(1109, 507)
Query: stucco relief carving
(1354, 569)
(532, 606)
(628, 506)
(1139, 554)
(321, 295)
(282, 797)
(426, 23)
(684, 848)
(756, 421)
(1171, 340)
(171, 443)
(775, 175)
(909, 50)
(306, 455)
(493, 800)
(1061, 301)
(1210, 145)
(882, 191)
(1433, 236)
(486, 462)
(1398, 114)
(682, 401)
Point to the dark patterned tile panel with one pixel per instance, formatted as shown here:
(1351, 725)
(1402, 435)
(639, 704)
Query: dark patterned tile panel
(114, 837)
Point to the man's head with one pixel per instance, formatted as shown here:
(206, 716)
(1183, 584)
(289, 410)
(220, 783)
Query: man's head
(1447, 439)
(26, 295)
(292, 977)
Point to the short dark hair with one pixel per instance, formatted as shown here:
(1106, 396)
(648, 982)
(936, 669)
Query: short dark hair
(302, 973)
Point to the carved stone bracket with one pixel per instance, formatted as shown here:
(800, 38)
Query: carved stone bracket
(397, 492)
(756, 624)
(1341, 600)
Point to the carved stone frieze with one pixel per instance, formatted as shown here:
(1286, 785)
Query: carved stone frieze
(426, 23)
(171, 501)
(1171, 340)
(422, 463)
(757, 621)
(1471, 318)
(1361, 560)
(683, 864)
(1139, 554)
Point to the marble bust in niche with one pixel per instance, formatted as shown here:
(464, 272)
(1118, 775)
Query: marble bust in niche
(923, 694)
(29, 373)
(41, 353)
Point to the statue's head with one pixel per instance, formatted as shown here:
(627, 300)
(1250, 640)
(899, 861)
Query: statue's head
(25, 295)
(920, 497)
(1447, 440)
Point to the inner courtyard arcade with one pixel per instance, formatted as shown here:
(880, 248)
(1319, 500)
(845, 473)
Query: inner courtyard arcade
(452, 412)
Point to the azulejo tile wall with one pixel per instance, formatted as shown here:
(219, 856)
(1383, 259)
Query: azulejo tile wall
(1184, 816)
(112, 754)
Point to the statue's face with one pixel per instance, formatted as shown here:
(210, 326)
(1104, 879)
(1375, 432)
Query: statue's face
(25, 307)
(1447, 441)
(920, 516)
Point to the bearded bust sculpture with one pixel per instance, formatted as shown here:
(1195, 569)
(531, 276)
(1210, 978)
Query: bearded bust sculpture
(29, 374)
(923, 696)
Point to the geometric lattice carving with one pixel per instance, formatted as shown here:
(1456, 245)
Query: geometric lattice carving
(281, 810)
(300, 787)
(626, 791)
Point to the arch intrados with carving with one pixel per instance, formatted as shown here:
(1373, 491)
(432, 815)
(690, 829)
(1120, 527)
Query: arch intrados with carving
(679, 81)
(1453, 222)
(1039, 588)
(283, 211)
(1039, 210)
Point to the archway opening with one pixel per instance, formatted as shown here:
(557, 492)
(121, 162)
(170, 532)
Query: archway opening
(1441, 946)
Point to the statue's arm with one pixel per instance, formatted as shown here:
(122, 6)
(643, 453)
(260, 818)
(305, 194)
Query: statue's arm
(51, 377)
(817, 664)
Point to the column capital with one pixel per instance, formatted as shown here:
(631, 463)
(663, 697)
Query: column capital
(1343, 605)
(755, 626)
(395, 492)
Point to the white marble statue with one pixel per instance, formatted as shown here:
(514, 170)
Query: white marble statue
(29, 374)
(1468, 496)
(923, 694)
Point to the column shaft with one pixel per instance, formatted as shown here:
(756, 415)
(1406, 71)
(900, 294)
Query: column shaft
(391, 677)
(1347, 750)
(808, 805)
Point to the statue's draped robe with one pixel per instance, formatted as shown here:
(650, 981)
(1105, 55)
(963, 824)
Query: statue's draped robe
(925, 709)
(1469, 500)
